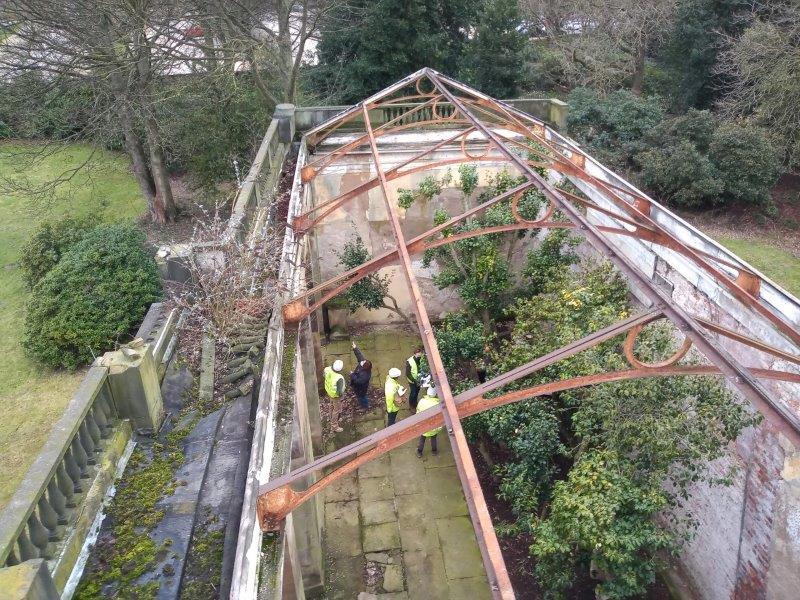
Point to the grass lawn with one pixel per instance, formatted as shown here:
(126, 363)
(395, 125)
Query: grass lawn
(777, 264)
(32, 398)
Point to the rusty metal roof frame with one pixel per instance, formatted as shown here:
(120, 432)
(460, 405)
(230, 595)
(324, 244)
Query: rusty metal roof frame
(450, 104)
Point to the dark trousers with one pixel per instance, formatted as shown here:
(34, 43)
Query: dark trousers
(392, 417)
(363, 401)
(421, 445)
(413, 394)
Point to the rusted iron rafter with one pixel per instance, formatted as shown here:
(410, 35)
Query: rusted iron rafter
(312, 169)
(381, 437)
(278, 498)
(496, 571)
(296, 308)
(323, 130)
(781, 417)
(302, 223)
(744, 287)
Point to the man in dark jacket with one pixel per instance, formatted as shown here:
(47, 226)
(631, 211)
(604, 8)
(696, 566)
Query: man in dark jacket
(414, 377)
(359, 378)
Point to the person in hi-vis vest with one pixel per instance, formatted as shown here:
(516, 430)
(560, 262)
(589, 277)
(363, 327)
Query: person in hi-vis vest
(429, 400)
(393, 391)
(413, 375)
(334, 380)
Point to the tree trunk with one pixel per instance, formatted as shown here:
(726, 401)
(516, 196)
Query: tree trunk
(285, 57)
(135, 150)
(396, 309)
(162, 209)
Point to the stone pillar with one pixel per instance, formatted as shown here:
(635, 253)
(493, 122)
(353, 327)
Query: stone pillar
(558, 113)
(284, 114)
(133, 378)
(29, 580)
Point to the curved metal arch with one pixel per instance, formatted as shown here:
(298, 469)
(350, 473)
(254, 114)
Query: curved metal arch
(277, 499)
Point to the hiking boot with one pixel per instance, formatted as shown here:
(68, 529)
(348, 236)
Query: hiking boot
(419, 454)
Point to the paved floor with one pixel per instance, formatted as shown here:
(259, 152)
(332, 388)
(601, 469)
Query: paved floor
(398, 528)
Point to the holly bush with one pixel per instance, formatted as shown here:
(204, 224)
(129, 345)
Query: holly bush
(613, 126)
(97, 294)
(370, 291)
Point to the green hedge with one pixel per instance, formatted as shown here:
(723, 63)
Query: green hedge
(96, 295)
(48, 244)
(697, 161)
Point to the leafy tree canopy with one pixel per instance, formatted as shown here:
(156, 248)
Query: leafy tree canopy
(367, 45)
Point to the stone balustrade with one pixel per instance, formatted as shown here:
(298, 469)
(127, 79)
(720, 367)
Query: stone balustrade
(50, 506)
(550, 110)
(53, 510)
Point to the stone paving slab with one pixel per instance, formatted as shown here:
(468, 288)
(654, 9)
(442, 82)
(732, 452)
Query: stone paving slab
(371, 489)
(441, 480)
(380, 511)
(344, 489)
(474, 588)
(342, 529)
(417, 527)
(426, 575)
(384, 536)
(451, 504)
(345, 577)
(461, 559)
(378, 467)
(407, 473)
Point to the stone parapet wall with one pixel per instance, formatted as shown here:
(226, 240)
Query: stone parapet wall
(53, 510)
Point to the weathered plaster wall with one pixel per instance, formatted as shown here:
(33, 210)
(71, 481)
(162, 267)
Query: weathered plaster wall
(366, 217)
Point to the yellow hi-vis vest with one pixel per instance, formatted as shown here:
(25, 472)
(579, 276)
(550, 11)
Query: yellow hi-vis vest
(331, 381)
(391, 387)
(424, 404)
(414, 368)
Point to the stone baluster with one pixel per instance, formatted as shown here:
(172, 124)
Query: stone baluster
(39, 534)
(48, 517)
(101, 419)
(107, 404)
(27, 551)
(72, 466)
(66, 484)
(87, 442)
(57, 500)
(94, 430)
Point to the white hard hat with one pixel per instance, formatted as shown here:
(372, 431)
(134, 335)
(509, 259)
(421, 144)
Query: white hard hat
(394, 372)
(338, 365)
(432, 392)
